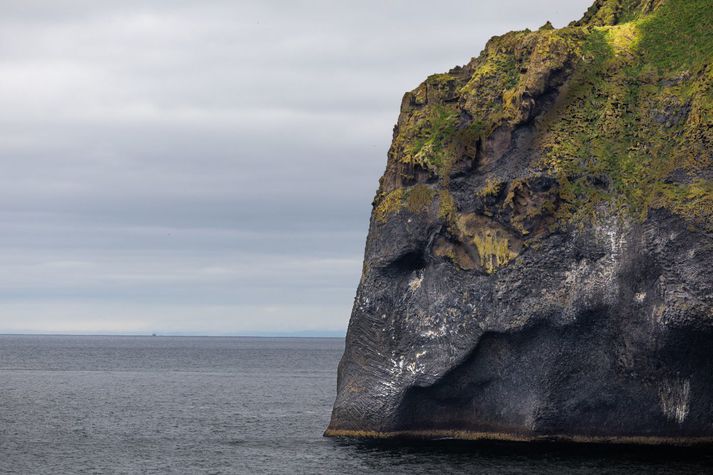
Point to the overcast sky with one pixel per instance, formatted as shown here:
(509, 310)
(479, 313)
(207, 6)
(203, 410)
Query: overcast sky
(208, 166)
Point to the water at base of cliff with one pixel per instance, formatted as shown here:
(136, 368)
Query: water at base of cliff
(81, 404)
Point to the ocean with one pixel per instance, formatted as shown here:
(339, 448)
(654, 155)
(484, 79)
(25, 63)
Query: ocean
(106, 404)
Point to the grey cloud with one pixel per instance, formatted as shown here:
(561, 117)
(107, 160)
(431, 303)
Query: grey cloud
(207, 167)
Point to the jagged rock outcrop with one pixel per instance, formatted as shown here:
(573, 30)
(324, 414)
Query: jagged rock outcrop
(538, 264)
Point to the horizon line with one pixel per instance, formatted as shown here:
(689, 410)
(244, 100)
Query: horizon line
(298, 334)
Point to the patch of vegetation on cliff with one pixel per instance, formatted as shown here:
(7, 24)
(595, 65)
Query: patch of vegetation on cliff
(513, 70)
(419, 198)
(633, 117)
(679, 36)
(631, 129)
(447, 207)
(496, 71)
(612, 12)
(495, 246)
(694, 201)
(447, 114)
(426, 131)
(492, 187)
(416, 199)
(427, 142)
(494, 252)
(388, 204)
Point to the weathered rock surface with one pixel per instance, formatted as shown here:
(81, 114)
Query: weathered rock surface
(539, 262)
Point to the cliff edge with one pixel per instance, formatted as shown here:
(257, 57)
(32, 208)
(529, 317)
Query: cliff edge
(539, 257)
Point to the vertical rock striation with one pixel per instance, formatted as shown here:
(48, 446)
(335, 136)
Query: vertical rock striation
(539, 257)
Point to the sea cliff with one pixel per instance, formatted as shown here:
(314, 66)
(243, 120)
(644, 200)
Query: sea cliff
(538, 264)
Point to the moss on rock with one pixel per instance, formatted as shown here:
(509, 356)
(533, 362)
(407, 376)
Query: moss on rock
(419, 198)
(390, 203)
(629, 130)
(627, 124)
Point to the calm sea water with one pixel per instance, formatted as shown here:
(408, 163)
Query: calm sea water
(228, 405)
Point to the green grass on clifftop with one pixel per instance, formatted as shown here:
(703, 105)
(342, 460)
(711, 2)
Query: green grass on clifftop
(679, 36)
(632, 128)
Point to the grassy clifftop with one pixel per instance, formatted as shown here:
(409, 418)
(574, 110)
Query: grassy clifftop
(620, 102)
(612, 12)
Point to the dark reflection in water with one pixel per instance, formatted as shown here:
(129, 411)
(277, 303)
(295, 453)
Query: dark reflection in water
(231, 405)
(495, 457)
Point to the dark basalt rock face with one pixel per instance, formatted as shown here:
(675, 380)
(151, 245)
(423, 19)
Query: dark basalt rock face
(539, 258)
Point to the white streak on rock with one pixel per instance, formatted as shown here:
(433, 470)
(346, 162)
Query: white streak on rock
(415, 283)
(674, 398)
